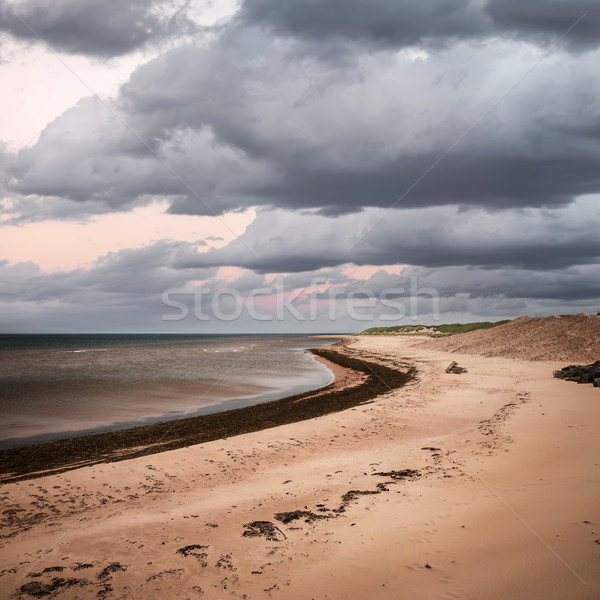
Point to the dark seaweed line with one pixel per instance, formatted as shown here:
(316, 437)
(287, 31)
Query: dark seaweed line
(64, 455)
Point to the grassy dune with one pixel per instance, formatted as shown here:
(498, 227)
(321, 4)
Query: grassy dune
(432, 330)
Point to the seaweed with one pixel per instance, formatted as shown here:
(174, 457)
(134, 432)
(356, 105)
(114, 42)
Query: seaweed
(64, 455)
(263, 528)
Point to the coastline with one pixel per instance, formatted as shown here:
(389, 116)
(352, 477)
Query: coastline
(481, 485)
(53, 388)
(355, 382)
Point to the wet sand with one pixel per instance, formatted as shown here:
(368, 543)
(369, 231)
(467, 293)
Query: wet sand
(481, 485)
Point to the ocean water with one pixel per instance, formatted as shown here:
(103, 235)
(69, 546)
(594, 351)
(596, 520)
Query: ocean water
(58, 386)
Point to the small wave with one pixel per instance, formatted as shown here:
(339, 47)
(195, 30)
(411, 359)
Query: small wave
(88, 350)
(226, 350)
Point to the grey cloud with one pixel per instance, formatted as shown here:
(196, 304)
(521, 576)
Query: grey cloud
(580, 283)
(384, 22)
(309, 111)
(495, 180)
(429, 23)
(103, 28)
(123, 292)
(435, 237)
(249, 121)
(247, 282)
(308, 279)
(549, 19)
(125, 274)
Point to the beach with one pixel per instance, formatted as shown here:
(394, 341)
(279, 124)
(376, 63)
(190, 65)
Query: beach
(479, 485)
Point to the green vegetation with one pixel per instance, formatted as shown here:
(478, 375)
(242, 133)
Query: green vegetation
(465, 327)
(403, 330)
(432, 330)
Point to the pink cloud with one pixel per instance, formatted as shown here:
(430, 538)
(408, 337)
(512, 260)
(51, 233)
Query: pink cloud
(64, 245)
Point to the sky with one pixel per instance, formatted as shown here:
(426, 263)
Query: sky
(299, 166)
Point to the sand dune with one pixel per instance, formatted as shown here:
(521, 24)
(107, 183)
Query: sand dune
(568, 338)
(481, 485)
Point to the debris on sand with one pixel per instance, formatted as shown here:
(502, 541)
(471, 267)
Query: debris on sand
(110, 569)
(454, 368)
(38, 589)
(195, 550)
(403, 474)
(307, 515)
(264, 528)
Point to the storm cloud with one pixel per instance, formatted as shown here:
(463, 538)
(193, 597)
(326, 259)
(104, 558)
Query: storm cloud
(529, 239)
(250, 121)
(104, 28)
(459, 139)
(401, 23)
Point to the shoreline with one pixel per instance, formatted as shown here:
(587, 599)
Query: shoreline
(132, 383)
(479, 485)
(356, 382)
(227, 403)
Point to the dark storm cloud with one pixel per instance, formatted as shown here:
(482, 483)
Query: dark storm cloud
(101, 28)
(430, 23)
(549, 19)
(248, 121)
(535, 239)
(394, 23)
(314, 113)
(577, 283)
(497, 181)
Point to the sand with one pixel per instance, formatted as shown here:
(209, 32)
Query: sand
(481, 485)
(567, 338)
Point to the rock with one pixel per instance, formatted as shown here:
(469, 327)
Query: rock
(581, 373)
(454, 368)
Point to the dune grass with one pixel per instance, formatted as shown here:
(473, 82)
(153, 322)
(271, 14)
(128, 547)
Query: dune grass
(432, 330)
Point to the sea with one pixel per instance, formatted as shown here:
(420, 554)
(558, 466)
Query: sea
(61, 386)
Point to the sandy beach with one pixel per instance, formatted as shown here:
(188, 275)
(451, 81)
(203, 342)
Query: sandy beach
(480, 485)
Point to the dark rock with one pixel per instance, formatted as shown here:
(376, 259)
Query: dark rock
(581, 373)
(454, 368)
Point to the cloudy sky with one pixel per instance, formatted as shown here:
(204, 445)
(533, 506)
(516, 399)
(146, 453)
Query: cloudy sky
(296, 166)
